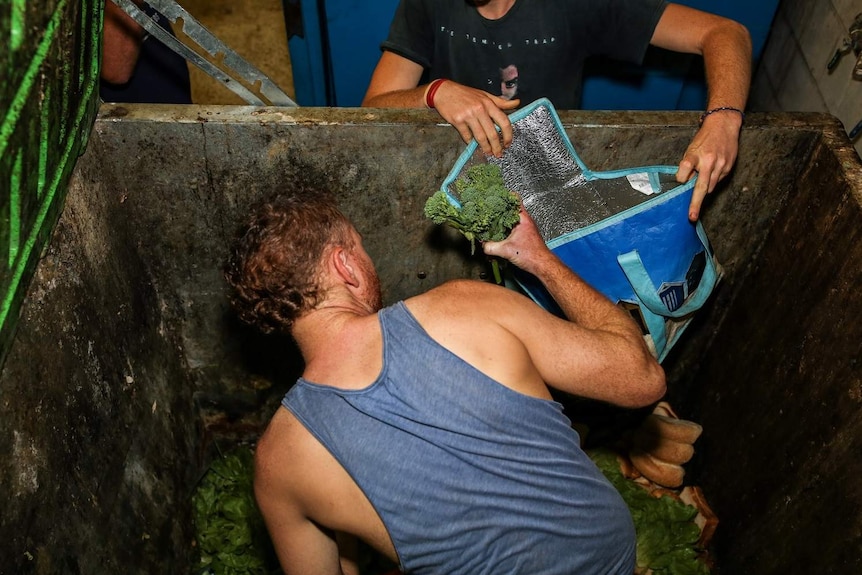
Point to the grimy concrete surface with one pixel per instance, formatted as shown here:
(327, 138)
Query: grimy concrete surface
(128, 368)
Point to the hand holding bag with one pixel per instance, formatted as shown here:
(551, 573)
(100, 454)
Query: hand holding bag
(625, 232)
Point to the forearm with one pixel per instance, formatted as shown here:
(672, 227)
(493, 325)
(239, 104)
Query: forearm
(724, 44)
(607, 355)
(601, 352)
(727, 60)
(580, 302)
(121, 45)
(409, 98)
(395, 84)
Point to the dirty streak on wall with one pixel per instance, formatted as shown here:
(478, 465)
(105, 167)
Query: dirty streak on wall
(780, 390)
(98, 430)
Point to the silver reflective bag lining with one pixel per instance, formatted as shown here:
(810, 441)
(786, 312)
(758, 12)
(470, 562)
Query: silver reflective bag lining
(560, 193)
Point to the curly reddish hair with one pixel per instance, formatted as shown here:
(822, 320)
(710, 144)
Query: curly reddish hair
(274, 266)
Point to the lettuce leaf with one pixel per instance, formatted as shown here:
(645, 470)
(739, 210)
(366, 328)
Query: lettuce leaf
(666, 532)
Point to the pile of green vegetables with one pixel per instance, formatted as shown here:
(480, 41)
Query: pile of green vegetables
(487, 210)
(666, 532)
(231, 536)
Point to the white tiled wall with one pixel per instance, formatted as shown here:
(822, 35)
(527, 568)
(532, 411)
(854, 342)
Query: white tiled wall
(793, 75)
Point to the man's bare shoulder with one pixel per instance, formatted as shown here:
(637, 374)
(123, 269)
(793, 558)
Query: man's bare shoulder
(466, 291)
(465, 298)
(297, 479)
(291, 462)
(289, 455)
(485, 325)
(283, 447)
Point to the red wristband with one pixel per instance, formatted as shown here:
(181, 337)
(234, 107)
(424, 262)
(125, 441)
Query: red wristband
(431, 90)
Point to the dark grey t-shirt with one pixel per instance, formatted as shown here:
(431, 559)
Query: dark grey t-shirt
(536, 50)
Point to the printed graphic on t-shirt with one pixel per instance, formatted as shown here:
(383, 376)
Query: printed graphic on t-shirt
(509, 82)
(499, 45)
(500, 60)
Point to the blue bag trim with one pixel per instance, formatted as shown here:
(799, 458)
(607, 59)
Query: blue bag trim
(654, 181)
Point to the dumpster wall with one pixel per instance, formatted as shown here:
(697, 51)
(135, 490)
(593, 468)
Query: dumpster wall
(780, 389)
(128, 368)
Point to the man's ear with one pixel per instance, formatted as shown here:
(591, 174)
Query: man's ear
(342, 262)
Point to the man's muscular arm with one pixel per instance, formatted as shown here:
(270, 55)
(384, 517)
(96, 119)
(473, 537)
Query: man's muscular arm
(303, 547)
(600, 352)
(726, 49)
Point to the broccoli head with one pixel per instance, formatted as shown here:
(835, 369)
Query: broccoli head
(488, 210)
(485, 210)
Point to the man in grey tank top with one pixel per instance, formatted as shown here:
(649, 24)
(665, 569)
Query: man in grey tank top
(427, 429)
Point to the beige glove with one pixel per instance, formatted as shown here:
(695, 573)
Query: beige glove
(662, 444)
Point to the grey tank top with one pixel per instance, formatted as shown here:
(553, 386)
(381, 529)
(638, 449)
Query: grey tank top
(468, 476)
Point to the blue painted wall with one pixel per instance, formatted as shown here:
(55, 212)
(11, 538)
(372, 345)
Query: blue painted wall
(333, 61)
(670, 81)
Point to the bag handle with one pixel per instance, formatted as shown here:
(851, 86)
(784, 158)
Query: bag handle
(643, 287)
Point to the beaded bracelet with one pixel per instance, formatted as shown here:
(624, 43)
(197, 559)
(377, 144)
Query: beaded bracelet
(721, 109)
(431, 90)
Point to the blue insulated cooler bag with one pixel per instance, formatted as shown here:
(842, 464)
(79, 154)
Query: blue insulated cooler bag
(626, 232)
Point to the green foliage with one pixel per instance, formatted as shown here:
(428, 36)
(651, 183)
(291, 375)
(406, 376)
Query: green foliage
(488, 209)
(231, 536)
(666, 533)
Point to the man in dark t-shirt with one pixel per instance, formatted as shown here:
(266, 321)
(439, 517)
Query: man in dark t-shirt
(484, 58)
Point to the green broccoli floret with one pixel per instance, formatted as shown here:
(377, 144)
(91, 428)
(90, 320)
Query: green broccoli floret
(487, 212)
